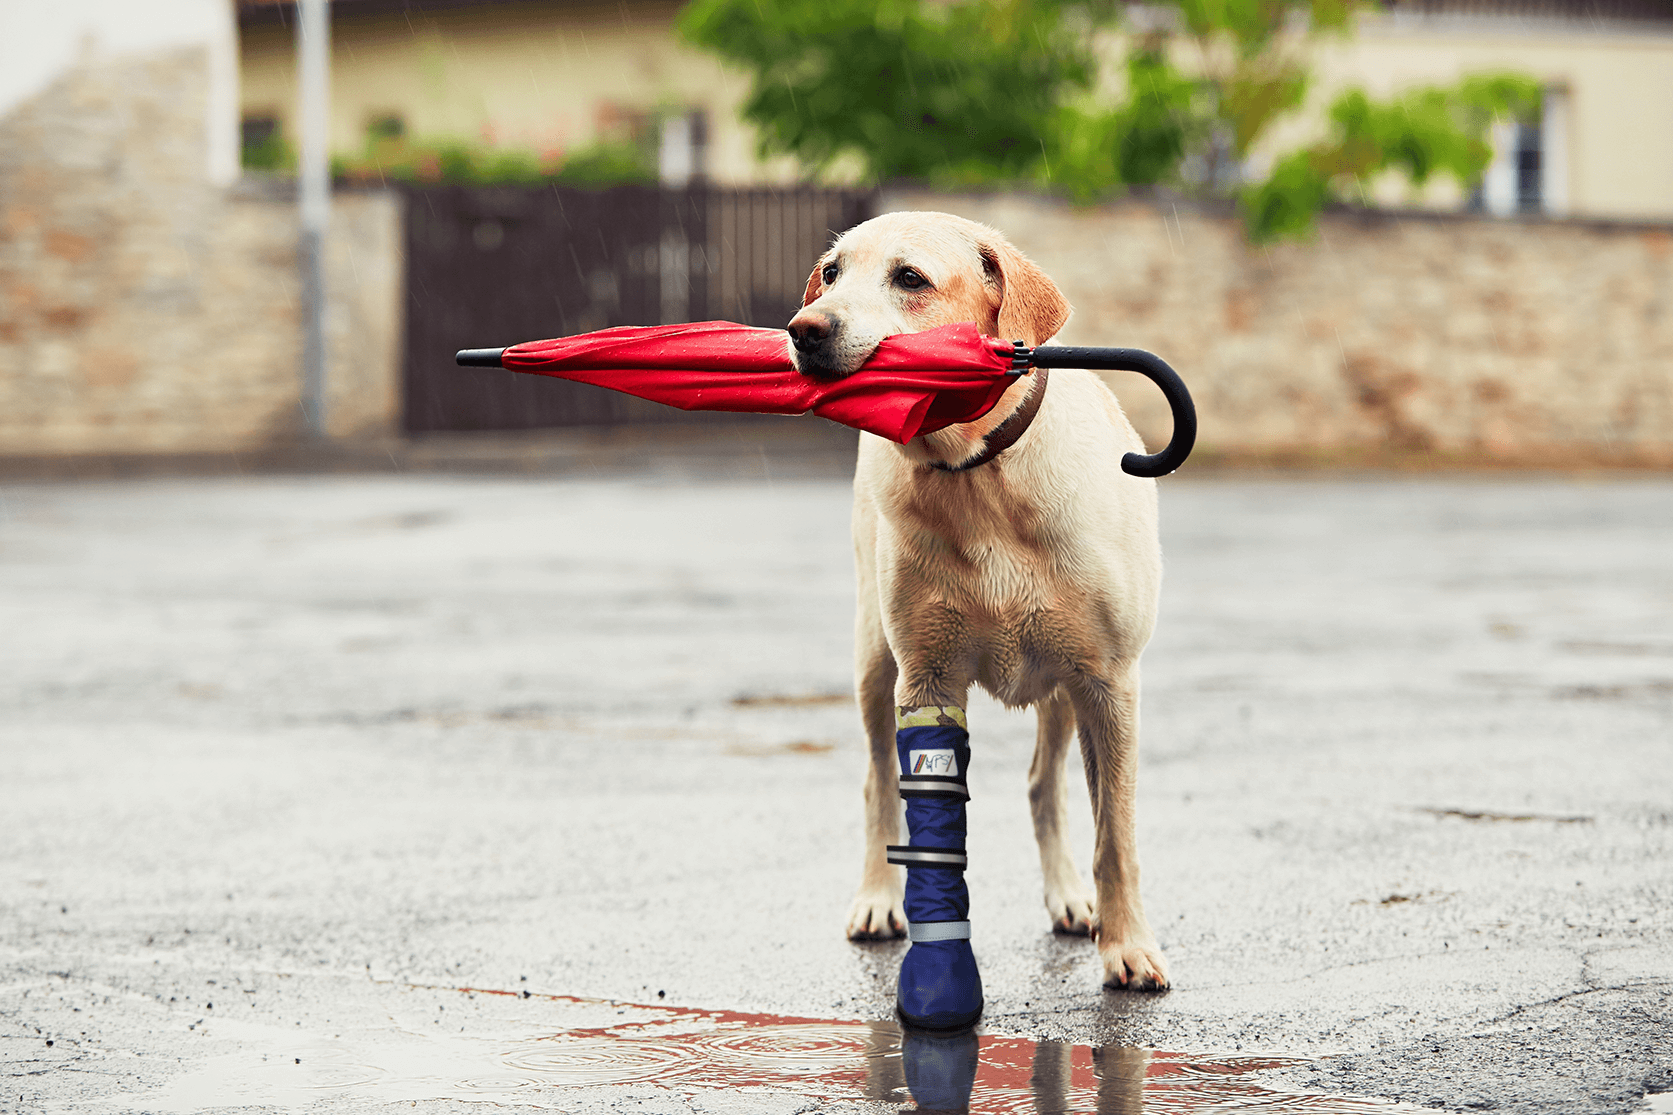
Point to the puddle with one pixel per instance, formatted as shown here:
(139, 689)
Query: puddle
(693, 1052)
(1487, 815)
(797, 747)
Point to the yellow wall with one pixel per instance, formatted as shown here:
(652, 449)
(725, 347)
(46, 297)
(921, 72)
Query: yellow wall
(523, 75)
(1619, 84)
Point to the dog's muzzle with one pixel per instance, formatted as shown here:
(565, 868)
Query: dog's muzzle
(816, 345)
(811, 333)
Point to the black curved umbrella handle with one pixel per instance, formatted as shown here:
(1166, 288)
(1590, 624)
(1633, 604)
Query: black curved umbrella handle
(1153, 368)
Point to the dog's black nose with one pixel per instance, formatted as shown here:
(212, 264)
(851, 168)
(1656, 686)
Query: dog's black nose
(809, 331)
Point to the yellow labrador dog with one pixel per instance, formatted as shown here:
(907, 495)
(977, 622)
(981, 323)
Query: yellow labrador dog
(1034, 574)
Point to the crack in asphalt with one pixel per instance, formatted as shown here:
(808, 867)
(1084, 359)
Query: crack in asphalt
(1567, 996)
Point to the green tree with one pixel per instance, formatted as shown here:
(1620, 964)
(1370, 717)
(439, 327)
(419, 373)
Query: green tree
(944, 93)
(963, 92)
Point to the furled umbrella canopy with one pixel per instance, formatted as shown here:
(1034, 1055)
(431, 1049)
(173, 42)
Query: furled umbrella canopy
(913, 384)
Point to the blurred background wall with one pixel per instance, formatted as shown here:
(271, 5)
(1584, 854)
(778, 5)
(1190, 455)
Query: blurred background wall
(148, 281)
(1395, 337)
(147, 293)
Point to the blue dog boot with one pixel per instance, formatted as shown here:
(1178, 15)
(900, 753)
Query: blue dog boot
(940, 988)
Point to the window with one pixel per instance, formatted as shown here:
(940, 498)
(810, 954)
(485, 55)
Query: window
(1529, 171)
(681, 148)
(386, 126)
(1527, 159)
(262, 146)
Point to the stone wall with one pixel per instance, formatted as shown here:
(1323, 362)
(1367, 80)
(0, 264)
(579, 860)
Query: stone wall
(1389, 336)
(144, 309)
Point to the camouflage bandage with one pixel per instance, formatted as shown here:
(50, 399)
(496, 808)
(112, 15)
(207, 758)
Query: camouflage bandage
(931, 716)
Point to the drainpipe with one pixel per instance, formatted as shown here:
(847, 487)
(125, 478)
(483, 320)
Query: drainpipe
(313, 53)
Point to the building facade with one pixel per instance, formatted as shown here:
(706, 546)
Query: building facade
(554, 76)
(1603, 147)
(547, 76)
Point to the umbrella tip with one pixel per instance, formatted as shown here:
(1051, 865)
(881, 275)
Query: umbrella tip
(479, 357)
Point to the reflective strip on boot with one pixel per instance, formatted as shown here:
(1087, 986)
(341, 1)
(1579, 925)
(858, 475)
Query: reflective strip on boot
(908, 855)
(922, 932)
(933, 786)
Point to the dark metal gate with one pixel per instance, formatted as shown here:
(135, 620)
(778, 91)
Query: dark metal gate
(498, 265)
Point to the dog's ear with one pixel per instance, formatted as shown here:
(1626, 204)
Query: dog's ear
(1031, 308)
(814, 282)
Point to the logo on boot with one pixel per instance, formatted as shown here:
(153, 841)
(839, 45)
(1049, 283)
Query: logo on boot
(942, 762)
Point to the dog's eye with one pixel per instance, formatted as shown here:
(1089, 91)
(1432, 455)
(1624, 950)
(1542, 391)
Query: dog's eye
(910, 279)
(830, 273)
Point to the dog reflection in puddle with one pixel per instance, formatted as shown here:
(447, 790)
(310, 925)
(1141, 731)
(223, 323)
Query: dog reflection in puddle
(940, 1069)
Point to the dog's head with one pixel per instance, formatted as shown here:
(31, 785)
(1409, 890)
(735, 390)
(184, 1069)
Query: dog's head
(907, 272)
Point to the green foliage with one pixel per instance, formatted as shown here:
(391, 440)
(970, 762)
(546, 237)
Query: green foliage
(965, 92)
(953, 93)
(968, 92)
(1252, 57)
(608, 164)
(1254, 27)
(1421, 133)
(394, 158)
(1082, 159)
(1094, 151)
(1163, 114)
(1285, 204)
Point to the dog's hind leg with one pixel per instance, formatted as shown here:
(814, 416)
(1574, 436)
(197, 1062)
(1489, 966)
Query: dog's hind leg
(1107, 713)
(877, 912)
(1068, 900)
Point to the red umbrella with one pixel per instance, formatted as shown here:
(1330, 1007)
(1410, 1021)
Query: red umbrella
(914, 384)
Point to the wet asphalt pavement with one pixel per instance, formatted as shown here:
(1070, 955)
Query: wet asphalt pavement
(299, 771)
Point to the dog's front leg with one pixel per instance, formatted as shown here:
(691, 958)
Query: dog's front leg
(1107, 712)
(877, 912)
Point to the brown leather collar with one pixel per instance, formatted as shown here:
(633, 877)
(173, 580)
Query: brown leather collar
(1007, 432)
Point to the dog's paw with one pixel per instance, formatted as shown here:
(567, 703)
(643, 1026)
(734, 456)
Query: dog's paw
(1070, 909)
(877, 915)
(1133, 965)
